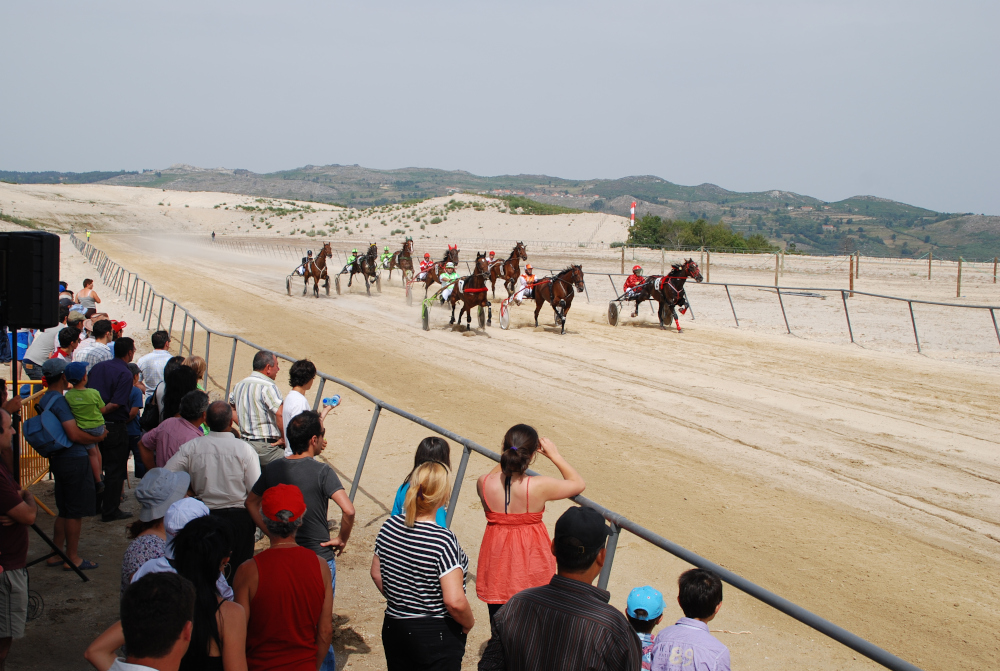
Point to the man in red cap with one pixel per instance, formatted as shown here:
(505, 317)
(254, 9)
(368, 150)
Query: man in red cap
(632, 284)
(286, 590)
(425, 265)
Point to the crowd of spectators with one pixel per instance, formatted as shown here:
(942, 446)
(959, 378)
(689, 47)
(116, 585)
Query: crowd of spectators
(216, 477)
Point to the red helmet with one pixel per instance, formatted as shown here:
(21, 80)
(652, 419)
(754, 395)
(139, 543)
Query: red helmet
(635, 268)
(492, 253)
(427, 255)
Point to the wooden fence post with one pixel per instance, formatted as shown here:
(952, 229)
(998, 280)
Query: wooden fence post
(776, 261)
(623, 259)
(708, 266)
(958, 289)
(850, 274)
(930, 257)
(994, 270)
(857, 264)
(663, 261)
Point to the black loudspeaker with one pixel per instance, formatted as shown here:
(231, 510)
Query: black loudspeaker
(29, 280)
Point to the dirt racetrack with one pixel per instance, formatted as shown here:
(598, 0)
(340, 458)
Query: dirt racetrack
(860, 484)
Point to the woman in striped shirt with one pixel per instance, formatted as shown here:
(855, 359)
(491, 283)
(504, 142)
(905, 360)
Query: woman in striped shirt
(420, 569)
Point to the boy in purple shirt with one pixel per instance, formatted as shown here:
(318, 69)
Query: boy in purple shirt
(687, 646)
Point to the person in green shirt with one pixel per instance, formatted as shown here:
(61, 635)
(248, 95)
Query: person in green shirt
(449, 279)
(88, 410)
(385, 258)
(350, 261)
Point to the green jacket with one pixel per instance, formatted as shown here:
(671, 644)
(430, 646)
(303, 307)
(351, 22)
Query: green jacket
(447, 278)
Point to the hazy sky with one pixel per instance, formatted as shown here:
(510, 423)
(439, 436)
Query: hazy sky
(831, 99)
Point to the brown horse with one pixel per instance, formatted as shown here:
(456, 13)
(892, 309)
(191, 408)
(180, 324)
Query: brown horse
(403, 259)
(558, 292)
(367, 266)
(471, 291)
(668, 291)
(316, 269)
(434, 272)
(509, 270)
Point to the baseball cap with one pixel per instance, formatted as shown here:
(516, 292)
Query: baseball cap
(283, 497)
(134, 369)
(177, 516)
(75, 371)
(160, 489)
(75, 317)
(583, 528)
(646, 598)
(53, 367)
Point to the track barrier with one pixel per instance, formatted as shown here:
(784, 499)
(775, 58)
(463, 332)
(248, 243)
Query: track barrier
(148, 302)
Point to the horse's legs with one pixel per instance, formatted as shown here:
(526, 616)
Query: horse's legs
(538, 308)
(489, 314)
(453, 314)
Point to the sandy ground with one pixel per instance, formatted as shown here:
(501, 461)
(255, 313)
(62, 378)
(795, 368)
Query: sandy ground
(860, 484)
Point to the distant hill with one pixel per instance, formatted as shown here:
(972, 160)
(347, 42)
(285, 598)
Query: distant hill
(876, 226)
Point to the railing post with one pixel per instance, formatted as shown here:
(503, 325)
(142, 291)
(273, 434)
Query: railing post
(787, 327)
(997, 330)
(319, 394)
(914, 322)
(149, 310)
(180, 348)
(364, 451)
(609, 558)
(142, 300)
(159, 317)
(731, 305)
(191, 346)
(208, 341)
(843, 297)
(173, 309)
(459, 478)
(232, 360)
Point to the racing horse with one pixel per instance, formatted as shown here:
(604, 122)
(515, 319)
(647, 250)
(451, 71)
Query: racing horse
(434, 272)
(367, 266)
(403, 259)
(471, 291)
(509, 270)
(668, 291)
(558, 291)
(316, 269)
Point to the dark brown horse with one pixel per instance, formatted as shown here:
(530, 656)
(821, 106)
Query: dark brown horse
(509, 270)
(403, 259)
(668, 291)
(316, 269)
(367, 266)
(434, 272)
(471, 291)
(558, 292)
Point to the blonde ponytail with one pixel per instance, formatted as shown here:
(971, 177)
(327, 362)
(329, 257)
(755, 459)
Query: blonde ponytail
(429, 490)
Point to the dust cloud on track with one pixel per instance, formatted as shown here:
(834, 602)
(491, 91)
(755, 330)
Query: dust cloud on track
(862, 485)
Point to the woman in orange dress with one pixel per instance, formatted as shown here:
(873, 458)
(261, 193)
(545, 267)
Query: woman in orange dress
(516, 552)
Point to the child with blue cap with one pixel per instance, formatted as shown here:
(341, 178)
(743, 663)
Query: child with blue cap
(88, 410)
(644, 610)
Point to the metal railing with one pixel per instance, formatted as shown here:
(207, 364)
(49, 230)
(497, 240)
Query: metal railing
(32, 466)
(144, 299)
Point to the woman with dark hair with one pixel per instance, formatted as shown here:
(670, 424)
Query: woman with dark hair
(178, 382)
(218, 640)
(433, 449)
(516, 552)
(157, 491)
(88, 297)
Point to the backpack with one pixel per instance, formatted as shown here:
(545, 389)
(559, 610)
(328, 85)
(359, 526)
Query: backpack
(150, 418)
(45, 433)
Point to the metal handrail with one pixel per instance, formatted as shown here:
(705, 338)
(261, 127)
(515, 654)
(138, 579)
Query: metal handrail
(112, 272)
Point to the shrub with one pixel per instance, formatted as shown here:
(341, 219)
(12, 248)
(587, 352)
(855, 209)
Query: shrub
(435, 220)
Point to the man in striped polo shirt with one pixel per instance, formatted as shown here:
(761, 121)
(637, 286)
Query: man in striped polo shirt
(257, 403)
(567, 624)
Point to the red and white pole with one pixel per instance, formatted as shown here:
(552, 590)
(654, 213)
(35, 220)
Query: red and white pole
(633, 213)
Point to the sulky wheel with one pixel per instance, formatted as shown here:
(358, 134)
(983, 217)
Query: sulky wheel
(336, 281)
(327, 286)
(409, 295)
(613, 313)
(482, 317)
(666, 315)
(504, 316)
(425, 317)
(378, 283)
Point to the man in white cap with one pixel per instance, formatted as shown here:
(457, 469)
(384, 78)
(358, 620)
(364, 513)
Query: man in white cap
(177, 516)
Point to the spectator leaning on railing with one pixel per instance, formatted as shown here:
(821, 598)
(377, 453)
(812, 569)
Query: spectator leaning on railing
(257, 404)
(567, 624)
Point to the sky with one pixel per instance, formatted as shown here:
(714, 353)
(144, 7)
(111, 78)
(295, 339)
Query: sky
(897, 99)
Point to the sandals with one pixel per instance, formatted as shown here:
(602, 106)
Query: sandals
(85, 565)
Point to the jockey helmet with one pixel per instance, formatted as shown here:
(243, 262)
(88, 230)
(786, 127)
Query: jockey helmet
(354, 251)
(528, 267)
(637, 270)
(427, 255)
(387, 248)
(449, 265)
(493, 253)
(309, 252)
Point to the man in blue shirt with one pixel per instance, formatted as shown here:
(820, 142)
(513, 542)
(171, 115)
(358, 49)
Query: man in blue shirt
(113, 380)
